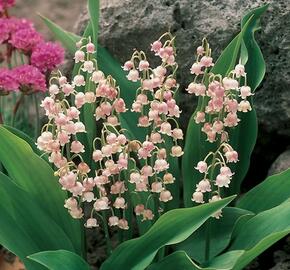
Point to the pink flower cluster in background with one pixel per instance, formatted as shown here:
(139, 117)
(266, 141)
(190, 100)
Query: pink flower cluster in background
(28, 56)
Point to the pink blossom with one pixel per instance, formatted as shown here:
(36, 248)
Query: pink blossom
(128, 65)
(139, 209)
(79, 56)
(199, 117)
(176, 151)
(222, 180)
(156, 187)
(133, 75)
(29, 78)
(206, 61)
(123, 224)
(165, 196)
(196, 69)
(160, 165)
(4, 28)
(245, 92)
(77, 147)
(232, 156)
(203, 186)
(197, 197)
(90, 47)
(101, 204)
(143, 65)
(4, 4)
(113, 221)
(120, 203)
(25, 39)
(240, 71)
(201, 166)
(7, 80)
(244, 106)
(91, 223)
(47, 55)
(156, 46)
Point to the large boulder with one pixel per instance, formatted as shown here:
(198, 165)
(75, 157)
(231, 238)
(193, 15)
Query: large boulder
(129, 24)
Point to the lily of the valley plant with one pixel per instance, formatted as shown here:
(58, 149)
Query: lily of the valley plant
(112, 155)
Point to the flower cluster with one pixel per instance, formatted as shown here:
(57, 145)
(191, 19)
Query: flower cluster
(37, 56)
(222, 100)
(87, 183)
(118, 164)
(157, 111)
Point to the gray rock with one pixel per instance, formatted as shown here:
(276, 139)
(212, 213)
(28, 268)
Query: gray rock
(281, 163)
(129, 24)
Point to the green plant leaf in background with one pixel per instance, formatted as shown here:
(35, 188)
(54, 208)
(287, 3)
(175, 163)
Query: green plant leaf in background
(180, 260)
(93, 8)
(171, 228)
(35, 176)
(270, 193)
(194, 150)
(260, 232)
(174, 261)
(243, 138)
(60, 260)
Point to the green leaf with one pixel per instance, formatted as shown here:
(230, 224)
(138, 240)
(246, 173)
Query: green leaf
(36, 177)
(94, 7)
(180, 260)
(243, 137)
(260, 232)
(268, 194)
(226, 261)
(171, 228)
(33, 230)
(220, 235)
(26, 138)
(60, 259)
(67, 39)
(177, 260)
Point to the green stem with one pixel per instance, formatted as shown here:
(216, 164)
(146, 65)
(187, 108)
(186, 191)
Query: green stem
(208, 222)
(107, 235)
(15, 109)
(37, 121)
(207, 240)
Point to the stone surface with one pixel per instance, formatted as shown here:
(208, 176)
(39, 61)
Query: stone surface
(281, 163)
(129, 24)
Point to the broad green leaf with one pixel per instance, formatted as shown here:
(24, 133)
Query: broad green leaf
(171, 228)
(67, 39)
(260, 232)
(177, 260)
(268, 194)
(220, 235)
(35, 176)
(26, 138)
(25, 227)
(226, 261)
(180, 260)
(94, 7)
(60, 259)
